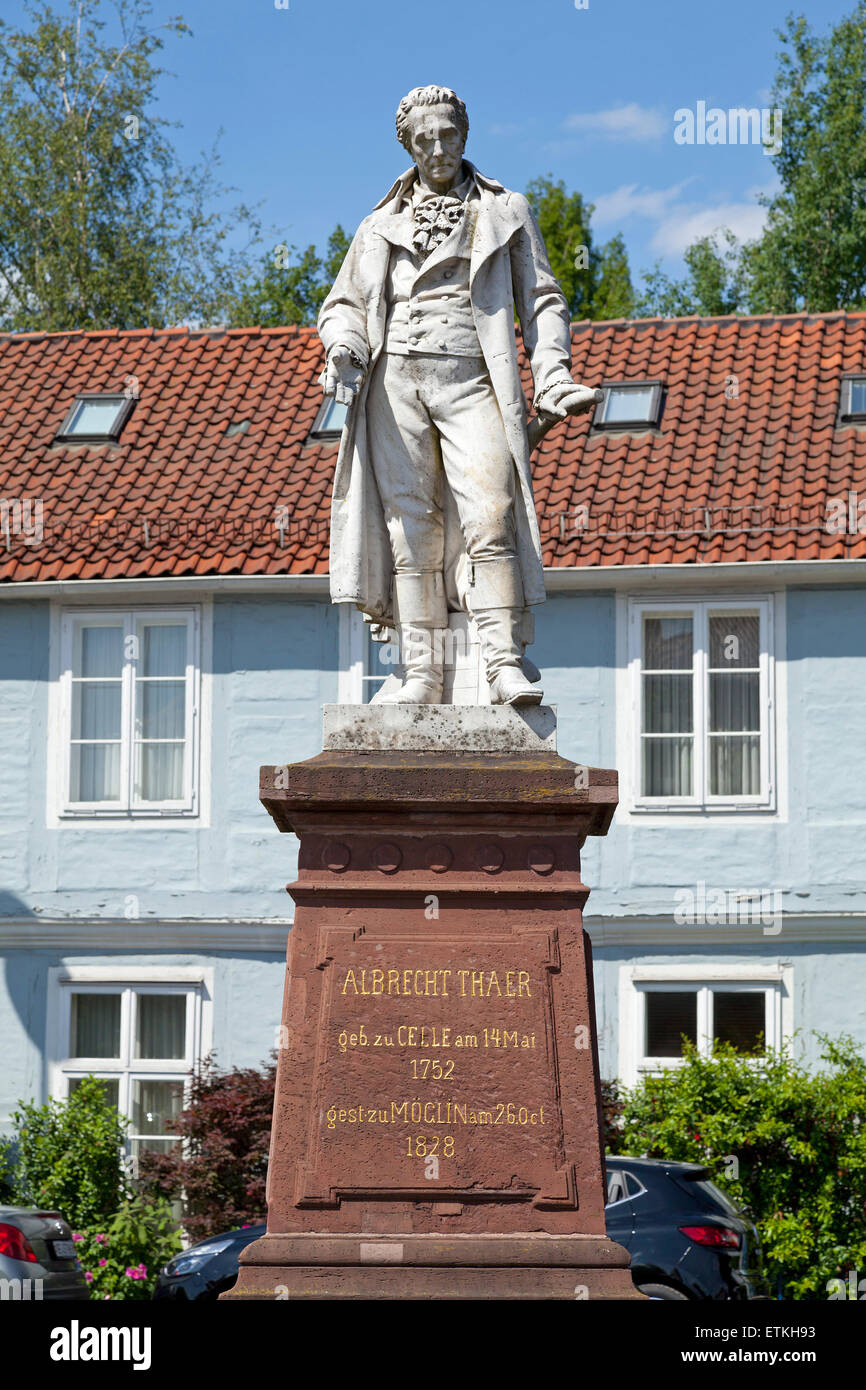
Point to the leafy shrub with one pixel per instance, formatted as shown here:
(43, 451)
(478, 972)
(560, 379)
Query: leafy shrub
(787, 1144)
(611, 1116)
(122, 1257)
(221, 1170)
(67, 1155)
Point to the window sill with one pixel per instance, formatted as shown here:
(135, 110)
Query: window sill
(137, 817)
(713, 808)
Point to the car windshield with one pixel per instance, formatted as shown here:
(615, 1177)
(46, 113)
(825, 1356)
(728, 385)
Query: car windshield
(718, 1197)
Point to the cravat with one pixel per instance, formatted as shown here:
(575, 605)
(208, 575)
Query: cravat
(435, 217)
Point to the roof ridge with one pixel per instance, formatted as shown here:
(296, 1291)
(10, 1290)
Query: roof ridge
(216, 331)
(301, 330)
(804, 315)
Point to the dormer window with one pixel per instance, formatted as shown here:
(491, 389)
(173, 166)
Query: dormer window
(852, 405)
(96, 419)
(330, 420)
(629, 405)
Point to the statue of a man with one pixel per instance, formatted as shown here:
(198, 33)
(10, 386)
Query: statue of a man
(432, 505)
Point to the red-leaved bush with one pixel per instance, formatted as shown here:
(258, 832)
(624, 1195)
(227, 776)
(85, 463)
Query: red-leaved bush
(219, 1170)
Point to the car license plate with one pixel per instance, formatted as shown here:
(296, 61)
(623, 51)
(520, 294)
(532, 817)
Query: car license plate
(63, 1249)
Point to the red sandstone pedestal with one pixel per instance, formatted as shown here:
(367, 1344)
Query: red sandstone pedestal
(437, 1119)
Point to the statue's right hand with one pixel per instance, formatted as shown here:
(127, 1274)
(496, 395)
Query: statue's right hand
(343, 375)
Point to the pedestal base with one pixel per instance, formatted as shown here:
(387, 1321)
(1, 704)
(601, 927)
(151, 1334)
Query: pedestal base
(442, 1267)
(437, 1116)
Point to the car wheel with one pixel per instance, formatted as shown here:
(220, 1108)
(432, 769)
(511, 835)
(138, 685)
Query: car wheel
(663, 1291)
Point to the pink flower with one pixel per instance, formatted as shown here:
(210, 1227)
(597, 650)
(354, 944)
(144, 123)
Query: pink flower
(77, 1237)
(102, 1263)
(88, 1276)
(102, 1237)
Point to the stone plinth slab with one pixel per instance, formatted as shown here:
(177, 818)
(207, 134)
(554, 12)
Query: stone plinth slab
(438, 728)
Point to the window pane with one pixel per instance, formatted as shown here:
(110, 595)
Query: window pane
(734, 702)
(100, 651)
(95, 417)
(667, 767)
(667, 644)
(669, 1014)
(160, 1025)
(376, 669)
(163, 649)
(735, 766)
(95, 772)
(857, 403)
(110, 1087)
(161, 709)
(735, 642)
(96, 709)
(667, 704)
(158, 1146)
(334, 417)
(154, 1105)
(627, 403)
(739, 1019)
(159, 771)
(94, 1028)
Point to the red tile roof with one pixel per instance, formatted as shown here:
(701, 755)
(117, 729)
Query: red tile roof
(747, 476)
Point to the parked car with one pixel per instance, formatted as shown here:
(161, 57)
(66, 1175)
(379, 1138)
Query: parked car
(37, 1256)
(207, 1269)
(685, 1237)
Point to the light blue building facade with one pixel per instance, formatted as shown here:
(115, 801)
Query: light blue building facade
(139, 933)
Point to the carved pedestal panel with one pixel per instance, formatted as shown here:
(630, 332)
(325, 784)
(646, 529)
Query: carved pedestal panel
(436, 1123)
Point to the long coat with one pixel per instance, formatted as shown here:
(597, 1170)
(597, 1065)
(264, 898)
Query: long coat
(508, 267)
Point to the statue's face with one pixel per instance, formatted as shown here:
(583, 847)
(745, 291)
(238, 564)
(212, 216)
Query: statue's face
(436, 144)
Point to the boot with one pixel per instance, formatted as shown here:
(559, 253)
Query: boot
(496, 603)
(503, 654)
(421, 652)
(422, 614)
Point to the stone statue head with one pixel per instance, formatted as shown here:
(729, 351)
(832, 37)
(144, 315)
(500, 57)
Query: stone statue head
(432, 125)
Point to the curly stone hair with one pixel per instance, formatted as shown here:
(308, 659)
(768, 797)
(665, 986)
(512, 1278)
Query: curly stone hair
(430, 96)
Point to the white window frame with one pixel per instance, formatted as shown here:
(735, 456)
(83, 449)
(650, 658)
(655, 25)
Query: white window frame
(127, 808)
(701, 610)
(196, 984)
(354, 679)
(774, 981)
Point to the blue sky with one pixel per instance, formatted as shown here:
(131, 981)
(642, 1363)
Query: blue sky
(306, 96)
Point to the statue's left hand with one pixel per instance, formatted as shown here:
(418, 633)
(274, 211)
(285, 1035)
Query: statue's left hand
(556, 403)
(569, 398)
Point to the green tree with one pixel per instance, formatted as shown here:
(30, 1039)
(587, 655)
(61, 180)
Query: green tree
(68, 1155)
(594, 279)
(286, 290)
(812, 255)
(100, 225)
(714, 283)
(786, 1143)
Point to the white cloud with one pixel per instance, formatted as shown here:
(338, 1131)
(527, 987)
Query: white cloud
(680, 220)
(629, 122)
(630, 200)
(687, 223)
